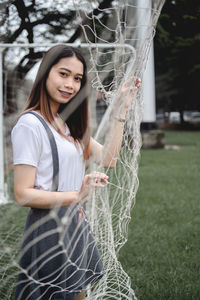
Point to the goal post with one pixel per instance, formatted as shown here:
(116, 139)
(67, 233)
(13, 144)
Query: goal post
(3, 196)
(2, 181)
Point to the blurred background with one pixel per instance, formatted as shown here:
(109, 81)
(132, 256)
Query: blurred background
(162, 252)
(177, 64)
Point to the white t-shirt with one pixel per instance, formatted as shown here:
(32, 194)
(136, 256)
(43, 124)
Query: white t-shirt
(31, 147)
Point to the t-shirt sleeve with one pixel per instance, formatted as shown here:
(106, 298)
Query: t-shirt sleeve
(26, 145)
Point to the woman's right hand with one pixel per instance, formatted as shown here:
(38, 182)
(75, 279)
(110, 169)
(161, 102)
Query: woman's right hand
(91, 182)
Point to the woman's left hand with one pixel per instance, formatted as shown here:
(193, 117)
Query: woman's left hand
(129, 89)
(90, 182)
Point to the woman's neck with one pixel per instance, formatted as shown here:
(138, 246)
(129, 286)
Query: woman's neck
(60, 123)
(54, 107)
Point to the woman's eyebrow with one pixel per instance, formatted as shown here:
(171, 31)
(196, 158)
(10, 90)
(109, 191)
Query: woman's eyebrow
(65, 69)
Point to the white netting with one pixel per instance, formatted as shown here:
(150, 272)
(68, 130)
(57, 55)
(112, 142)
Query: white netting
(115, 52)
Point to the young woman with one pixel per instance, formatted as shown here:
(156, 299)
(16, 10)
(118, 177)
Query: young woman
(59, 256)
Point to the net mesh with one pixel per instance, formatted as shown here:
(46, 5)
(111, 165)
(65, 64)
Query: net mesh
(118, 39)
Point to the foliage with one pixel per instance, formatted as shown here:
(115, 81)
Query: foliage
(24, 21)
(45, 21)
(177, 47)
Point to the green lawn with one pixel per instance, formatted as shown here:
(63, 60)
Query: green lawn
(161, 255)
(162, 252)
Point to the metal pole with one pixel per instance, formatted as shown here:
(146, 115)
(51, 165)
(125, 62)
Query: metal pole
(149, 112)
(2, 183)
(83, 45)
(149, 107)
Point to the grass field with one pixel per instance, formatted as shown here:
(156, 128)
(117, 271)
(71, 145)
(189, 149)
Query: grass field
(162, 252)
(161, 255)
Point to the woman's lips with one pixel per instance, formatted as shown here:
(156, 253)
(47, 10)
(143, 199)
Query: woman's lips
(65, 94)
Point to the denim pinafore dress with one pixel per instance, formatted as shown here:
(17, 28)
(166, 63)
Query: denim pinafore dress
(59, 256)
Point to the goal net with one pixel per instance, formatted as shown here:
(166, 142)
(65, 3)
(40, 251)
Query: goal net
(115, 41)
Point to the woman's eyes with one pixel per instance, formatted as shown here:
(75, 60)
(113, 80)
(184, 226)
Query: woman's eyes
(77, 78)
(63, 74)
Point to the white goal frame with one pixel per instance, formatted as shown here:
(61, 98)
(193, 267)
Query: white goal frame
(3, 196)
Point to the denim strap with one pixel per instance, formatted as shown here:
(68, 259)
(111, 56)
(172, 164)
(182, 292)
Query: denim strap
(54, 151)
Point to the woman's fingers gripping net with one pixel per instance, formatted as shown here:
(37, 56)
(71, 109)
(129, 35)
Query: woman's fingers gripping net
(91, 182)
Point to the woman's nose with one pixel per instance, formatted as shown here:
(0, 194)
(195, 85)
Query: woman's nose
(69, 83)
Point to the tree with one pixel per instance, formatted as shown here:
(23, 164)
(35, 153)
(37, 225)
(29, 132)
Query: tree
(177, 48)
(30, 22)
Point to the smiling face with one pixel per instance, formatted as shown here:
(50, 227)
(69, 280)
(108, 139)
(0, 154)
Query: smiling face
(64, 81)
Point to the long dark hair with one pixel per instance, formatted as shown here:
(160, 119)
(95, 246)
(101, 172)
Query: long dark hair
(77, 121)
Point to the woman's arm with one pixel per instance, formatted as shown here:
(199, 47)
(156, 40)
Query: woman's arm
(108, 154)
(27, 195)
